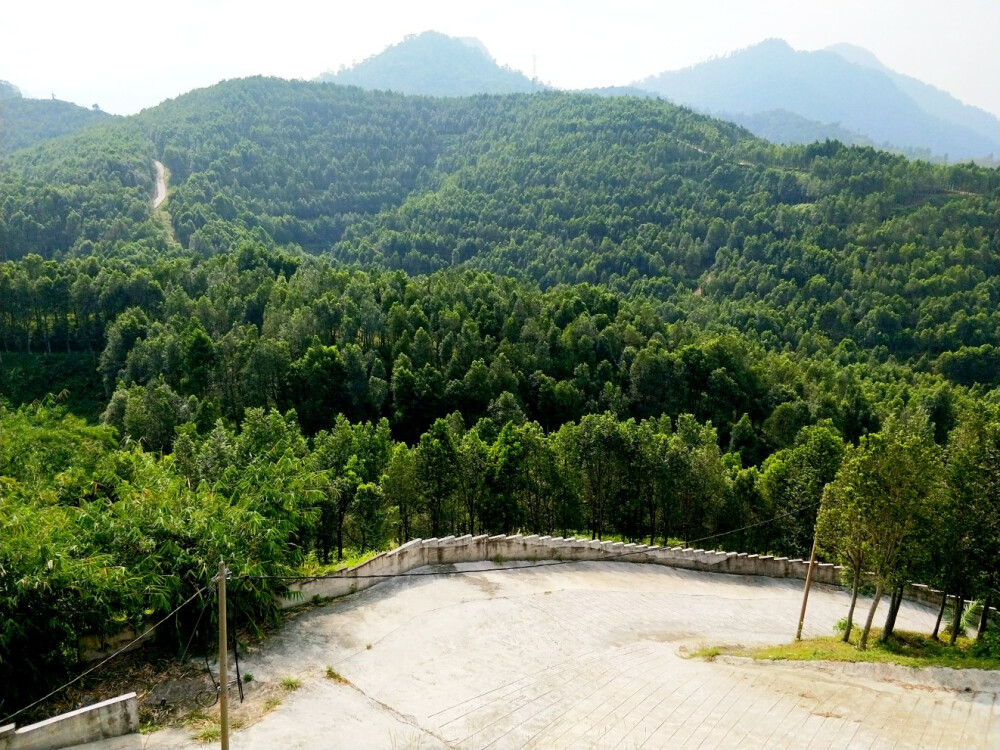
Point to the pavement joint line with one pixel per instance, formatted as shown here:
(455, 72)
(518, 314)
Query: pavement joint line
(861, 723)
(992, 714)
(523, 722)
(951, 712)
(694, 725)
(666, 742)
(527, 702)
(571, 705)
(668, 715)
(971, 705)
(572, 728)
(526, 678)
(909, 717)
(485, 705)
(575, 707)
(650, 697)
(755, 697)
(719, 715)
(654, 666)
(408, 720)
(619, 719)
(634, 729)
(514, 682)
(820, 720)
(782, 701)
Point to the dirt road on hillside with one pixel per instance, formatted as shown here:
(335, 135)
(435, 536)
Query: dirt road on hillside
(161, 185)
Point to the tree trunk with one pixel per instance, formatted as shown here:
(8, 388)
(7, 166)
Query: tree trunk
(863, 644)
(984, 618)
(340, 537)
(956, 623)
(937, 624)
(890, 620)
(850, 612)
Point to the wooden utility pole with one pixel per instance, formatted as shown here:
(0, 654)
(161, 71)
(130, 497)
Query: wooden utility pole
(223, 655)
(805, 594)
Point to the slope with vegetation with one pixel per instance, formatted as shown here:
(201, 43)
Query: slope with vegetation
(388, 316)
(25, 122)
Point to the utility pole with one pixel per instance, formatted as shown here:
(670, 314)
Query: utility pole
(223, 655)
(805, 594)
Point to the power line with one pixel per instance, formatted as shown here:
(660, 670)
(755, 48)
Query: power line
(754, 525)
(340, 576)
(107, 659)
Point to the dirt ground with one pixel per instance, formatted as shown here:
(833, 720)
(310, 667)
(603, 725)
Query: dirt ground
(588, 655)
(161, 185)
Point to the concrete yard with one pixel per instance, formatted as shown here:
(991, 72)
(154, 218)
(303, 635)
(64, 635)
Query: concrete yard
(592, 654)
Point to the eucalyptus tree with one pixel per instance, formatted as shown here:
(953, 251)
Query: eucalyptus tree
(895, 485)
(972, 534)
(841, 535)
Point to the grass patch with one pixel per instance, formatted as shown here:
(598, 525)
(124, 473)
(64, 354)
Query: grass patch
(271, 703)
(313, 567)
(333, 674)
(905, 648)
(209, 734)
(291, 683)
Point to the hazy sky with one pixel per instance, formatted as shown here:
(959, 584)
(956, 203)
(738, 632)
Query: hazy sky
(129, 54)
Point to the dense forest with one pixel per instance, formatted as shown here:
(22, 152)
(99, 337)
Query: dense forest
(24, 121)
(366, 317)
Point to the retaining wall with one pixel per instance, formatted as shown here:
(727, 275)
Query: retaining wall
(450, 549)
(420, 552)
(104, 720)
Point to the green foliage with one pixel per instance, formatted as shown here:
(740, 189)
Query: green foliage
(30, 121)
(987, 646)
(908, 649)
(553, 313)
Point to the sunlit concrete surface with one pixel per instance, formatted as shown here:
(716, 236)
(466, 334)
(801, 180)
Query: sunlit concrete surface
(593, 655)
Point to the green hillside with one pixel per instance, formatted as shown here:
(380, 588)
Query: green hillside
(364, 317)
(24, 122)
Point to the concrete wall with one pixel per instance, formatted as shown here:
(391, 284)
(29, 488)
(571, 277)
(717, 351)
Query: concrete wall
(110, 718)
(420, 552)
(451, 549)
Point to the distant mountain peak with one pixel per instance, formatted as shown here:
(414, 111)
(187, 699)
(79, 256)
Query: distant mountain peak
(857, 55)
(434, 64)
(470, 41)
(773, 43)
(842, 87)
(9, 91)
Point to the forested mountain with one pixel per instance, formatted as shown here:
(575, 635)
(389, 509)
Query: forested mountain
(434, 64)
(24, 122)
(826, 88)
(798, 246)
(784, 127)
(9, 91)
(932, 100)
(362, 317)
